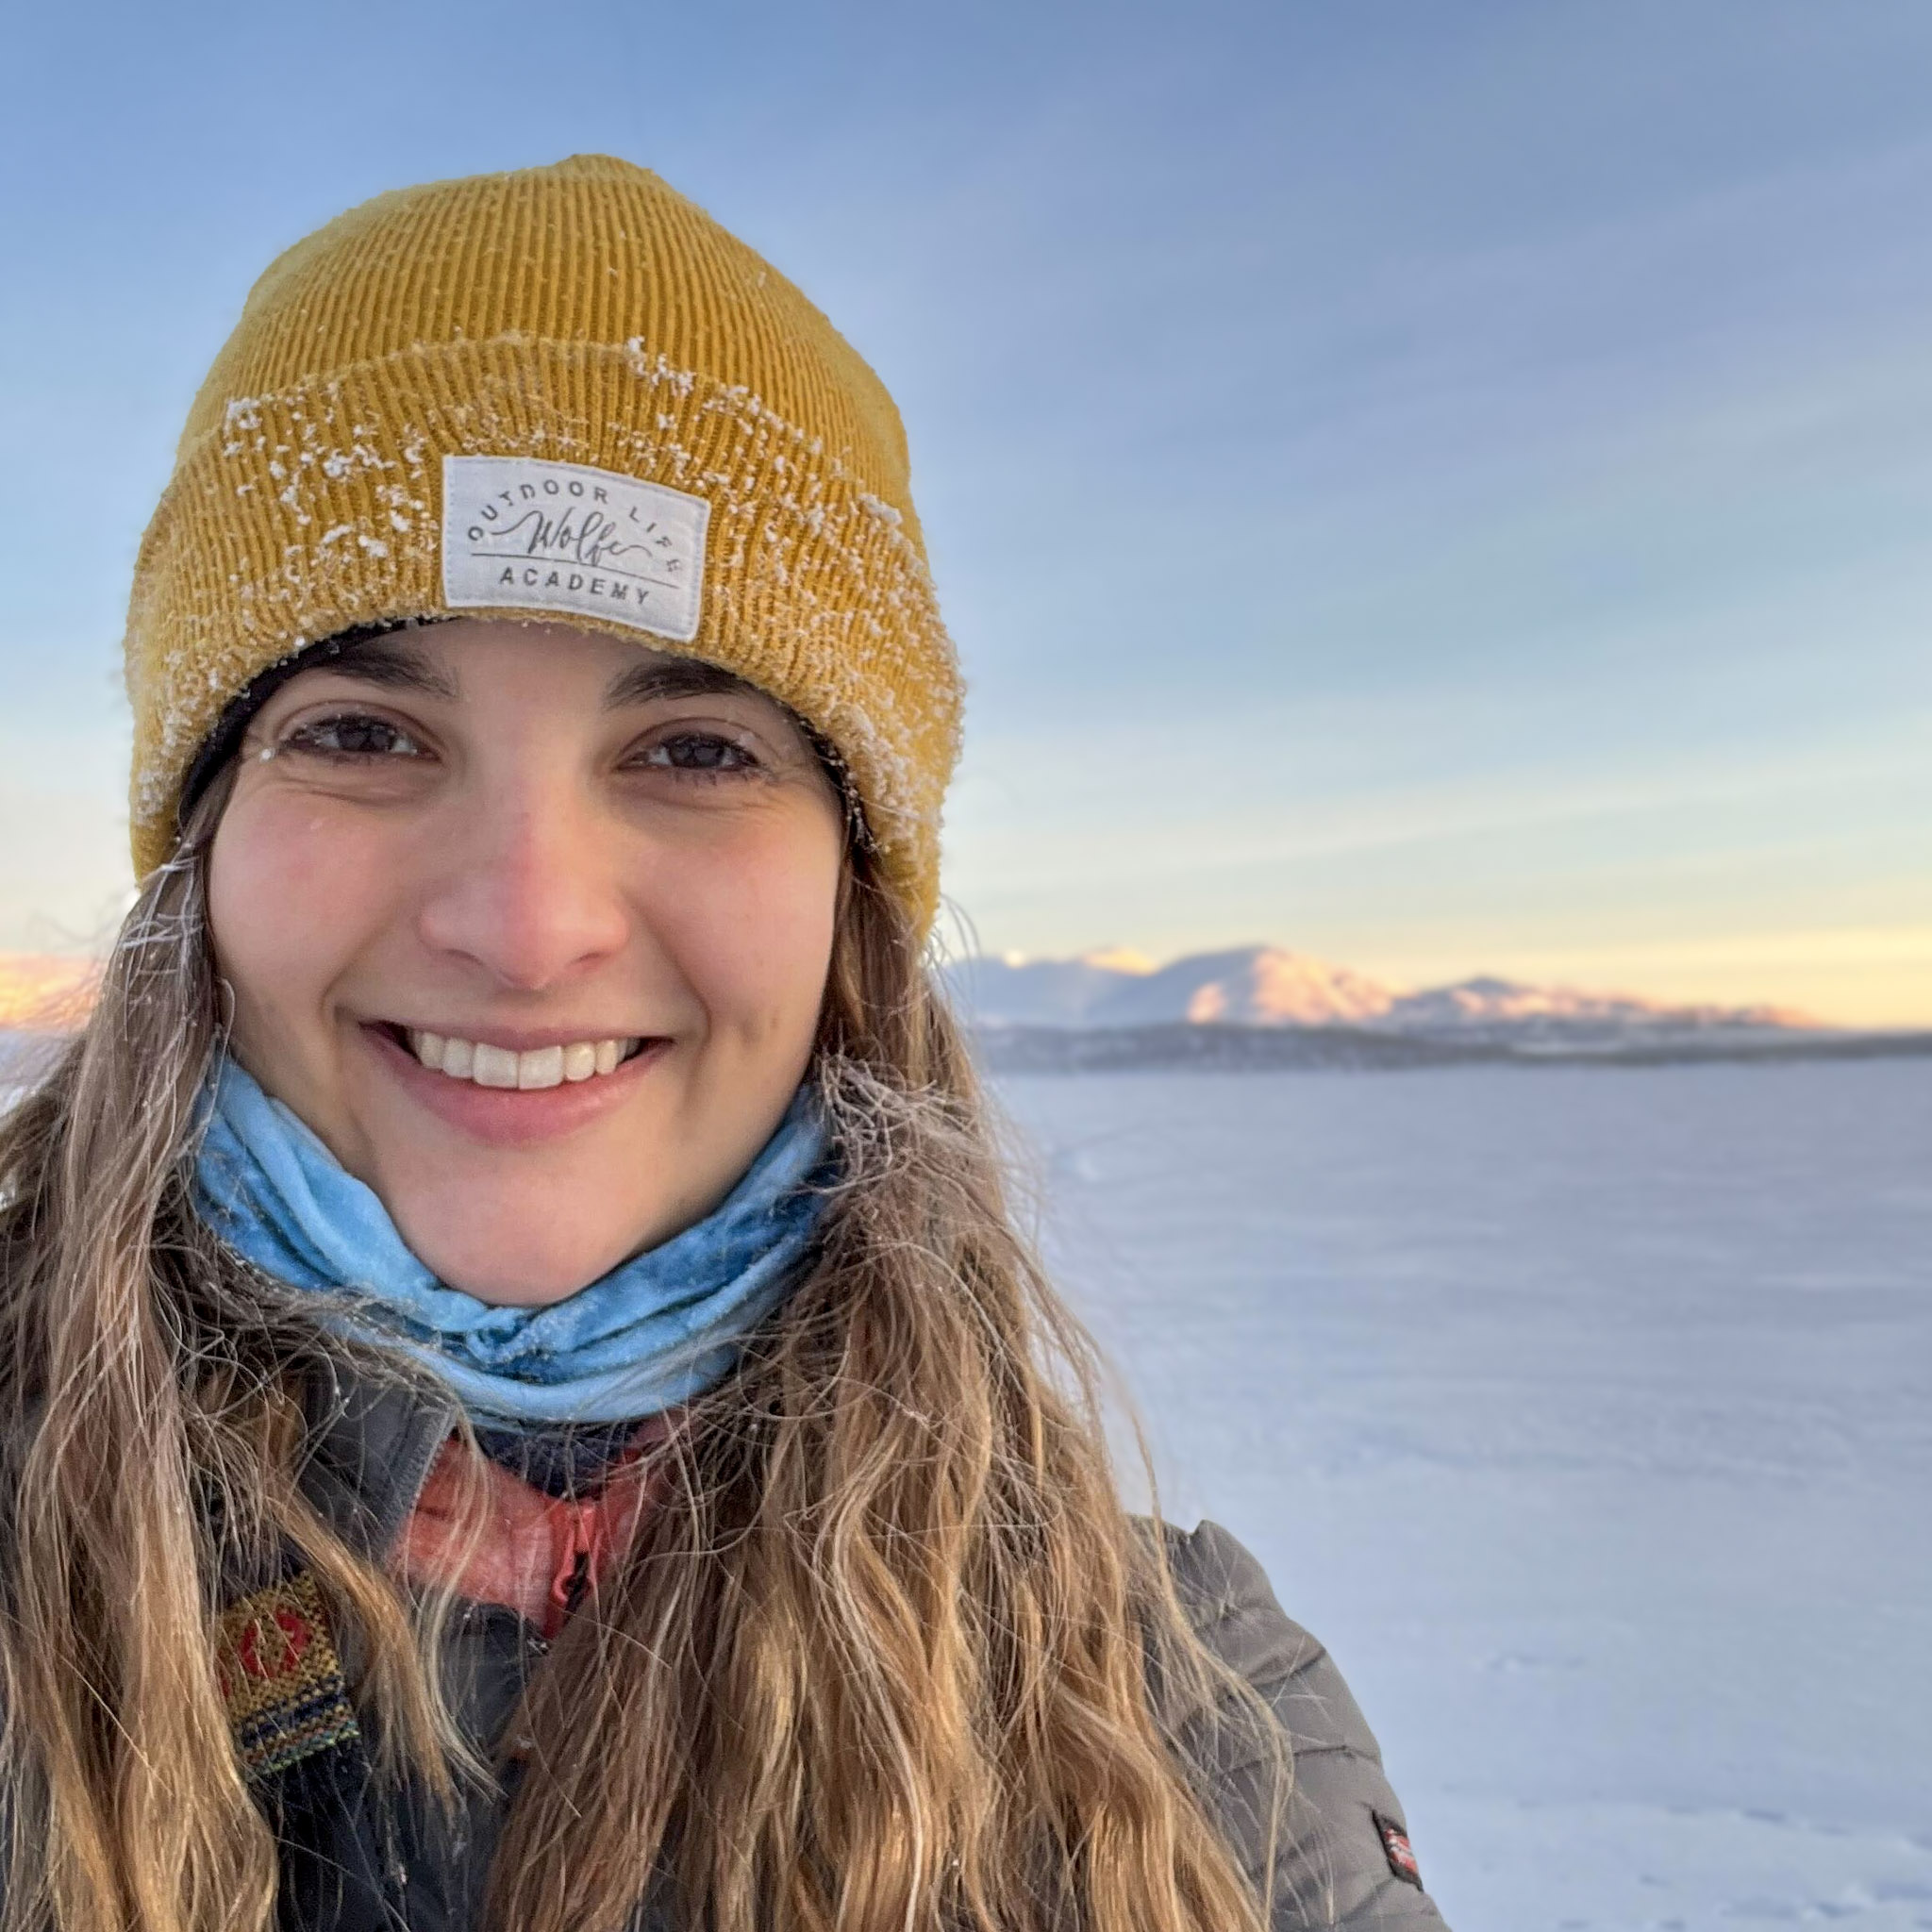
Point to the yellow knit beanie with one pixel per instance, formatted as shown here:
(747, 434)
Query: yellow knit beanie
(563, 393)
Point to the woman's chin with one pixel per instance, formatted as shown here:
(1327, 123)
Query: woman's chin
(516, 1274)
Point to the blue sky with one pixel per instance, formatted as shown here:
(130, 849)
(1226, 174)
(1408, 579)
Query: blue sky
(1445, 487)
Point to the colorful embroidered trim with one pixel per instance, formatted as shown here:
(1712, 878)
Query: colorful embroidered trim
(280, 1677)
(1401, 1854)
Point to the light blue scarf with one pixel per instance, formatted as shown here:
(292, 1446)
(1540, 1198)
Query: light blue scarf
(654, 1332)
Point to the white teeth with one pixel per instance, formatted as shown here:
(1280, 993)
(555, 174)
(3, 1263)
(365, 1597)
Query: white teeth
(498, 1066)
(541, 1068)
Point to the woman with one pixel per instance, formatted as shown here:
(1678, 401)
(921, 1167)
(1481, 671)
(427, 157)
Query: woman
(526, 1405)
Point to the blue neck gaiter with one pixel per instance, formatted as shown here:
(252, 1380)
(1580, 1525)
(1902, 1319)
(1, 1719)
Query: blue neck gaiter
(656, 1331)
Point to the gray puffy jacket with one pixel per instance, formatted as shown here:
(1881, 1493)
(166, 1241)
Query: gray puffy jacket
(1342, 1857)
(356, 1857)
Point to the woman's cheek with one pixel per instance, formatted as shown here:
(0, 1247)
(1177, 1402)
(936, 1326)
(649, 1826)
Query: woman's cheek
(292, 892)
(754, 937)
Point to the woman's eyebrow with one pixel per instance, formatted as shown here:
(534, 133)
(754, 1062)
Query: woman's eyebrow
(394, 664)
(659, 679)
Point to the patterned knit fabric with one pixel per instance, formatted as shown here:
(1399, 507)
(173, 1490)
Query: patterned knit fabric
(280, 1677)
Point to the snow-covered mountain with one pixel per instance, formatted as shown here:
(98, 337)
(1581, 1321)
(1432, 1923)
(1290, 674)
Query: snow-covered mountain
(1253, 985)
(1496, 1009)
(1267, 986)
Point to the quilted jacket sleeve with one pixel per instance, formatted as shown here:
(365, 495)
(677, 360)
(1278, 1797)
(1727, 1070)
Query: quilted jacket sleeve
(1339, 1852)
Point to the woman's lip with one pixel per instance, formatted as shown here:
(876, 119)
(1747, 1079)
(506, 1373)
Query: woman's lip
(509, 1116)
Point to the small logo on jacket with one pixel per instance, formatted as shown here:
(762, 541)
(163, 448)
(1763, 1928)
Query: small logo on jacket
(561, 537)
(1400, 1853)
(280, 1677)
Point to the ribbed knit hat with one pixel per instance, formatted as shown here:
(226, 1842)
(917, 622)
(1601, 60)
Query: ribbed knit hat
(563, 393)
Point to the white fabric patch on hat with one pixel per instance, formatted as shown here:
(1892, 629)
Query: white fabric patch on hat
(538, 536)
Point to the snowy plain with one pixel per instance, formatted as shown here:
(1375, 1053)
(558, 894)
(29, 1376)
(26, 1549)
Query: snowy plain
(1587, 1415)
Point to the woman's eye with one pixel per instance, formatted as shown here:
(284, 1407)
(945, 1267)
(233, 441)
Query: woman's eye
(705, 753)
(352, 735)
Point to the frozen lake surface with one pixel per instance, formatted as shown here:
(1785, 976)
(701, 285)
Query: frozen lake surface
(1584, 1414)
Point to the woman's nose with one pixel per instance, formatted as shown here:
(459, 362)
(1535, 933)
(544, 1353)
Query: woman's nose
(526, 888)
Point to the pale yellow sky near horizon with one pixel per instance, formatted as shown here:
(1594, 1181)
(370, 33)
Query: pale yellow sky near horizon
(1852, 978)
(1859, 979)
(1876, 980)
(1856, 980)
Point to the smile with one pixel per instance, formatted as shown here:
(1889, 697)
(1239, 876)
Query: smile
(484, 1065)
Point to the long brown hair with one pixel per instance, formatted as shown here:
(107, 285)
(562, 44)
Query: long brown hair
(879, 1662)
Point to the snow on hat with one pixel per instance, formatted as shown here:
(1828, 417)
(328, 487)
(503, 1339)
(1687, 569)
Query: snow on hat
(563, 391)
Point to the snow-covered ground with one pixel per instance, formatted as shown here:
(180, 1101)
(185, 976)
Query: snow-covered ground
(1585, 1414)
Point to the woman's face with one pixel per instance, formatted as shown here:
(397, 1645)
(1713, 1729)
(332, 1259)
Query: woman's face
(460, 863)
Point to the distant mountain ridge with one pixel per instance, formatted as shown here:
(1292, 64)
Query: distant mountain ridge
(1242, 986)
(1264, 986)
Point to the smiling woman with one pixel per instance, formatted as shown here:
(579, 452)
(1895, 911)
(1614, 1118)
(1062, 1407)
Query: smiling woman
(601, 881)
(522, 1401)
